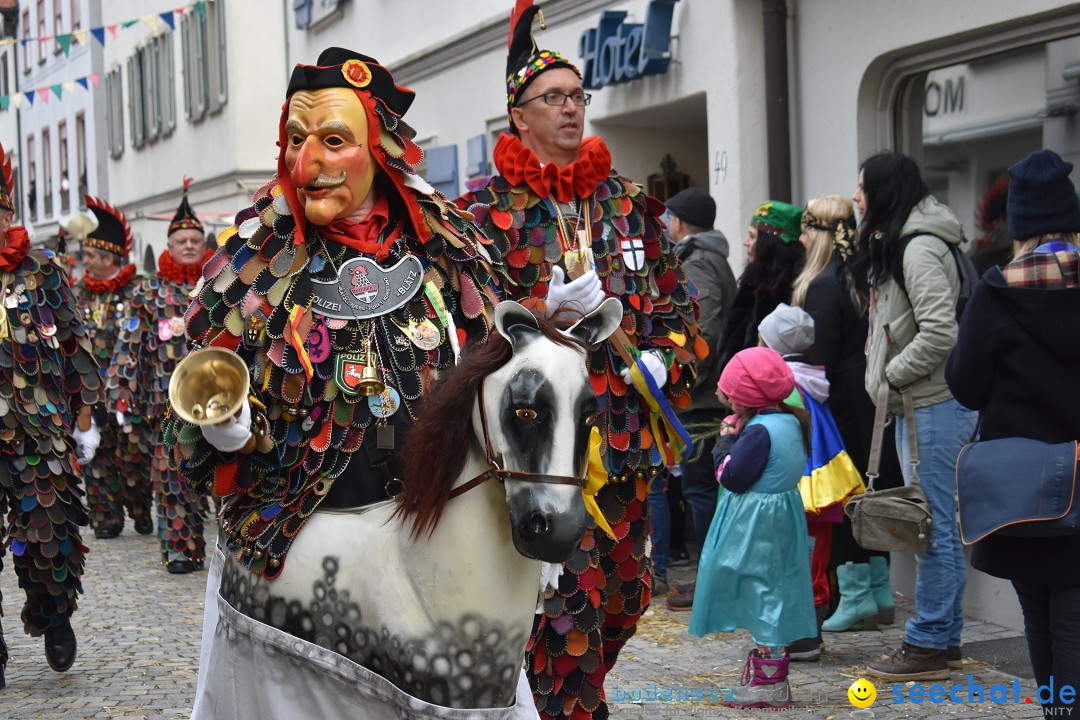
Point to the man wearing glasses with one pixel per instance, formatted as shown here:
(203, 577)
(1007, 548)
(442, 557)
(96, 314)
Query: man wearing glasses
(572, 232)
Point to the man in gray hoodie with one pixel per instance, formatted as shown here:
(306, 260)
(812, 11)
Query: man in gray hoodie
(703, 252)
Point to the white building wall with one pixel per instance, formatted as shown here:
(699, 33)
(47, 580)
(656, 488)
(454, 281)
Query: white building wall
(9, 119)
(228, 153)
(34, 118)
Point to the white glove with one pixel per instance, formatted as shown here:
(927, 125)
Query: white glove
(584, 294)
(120, 419)
(86, 442)
(654, 364)
(231, 435)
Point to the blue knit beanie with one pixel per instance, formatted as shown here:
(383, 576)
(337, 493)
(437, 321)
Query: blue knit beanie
(1042, 199)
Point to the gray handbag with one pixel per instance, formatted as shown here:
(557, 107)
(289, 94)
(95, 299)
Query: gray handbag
(897, 519)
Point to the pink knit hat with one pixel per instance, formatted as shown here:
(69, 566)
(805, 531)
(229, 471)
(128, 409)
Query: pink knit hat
(757, 377)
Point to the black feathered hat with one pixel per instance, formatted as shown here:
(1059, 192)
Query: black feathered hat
(112, 234)
(525, 61)
(185, 218)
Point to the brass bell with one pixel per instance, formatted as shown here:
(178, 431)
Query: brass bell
(209, 386)
(370, 384)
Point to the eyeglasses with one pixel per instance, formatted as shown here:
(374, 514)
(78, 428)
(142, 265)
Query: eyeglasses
(558, 99)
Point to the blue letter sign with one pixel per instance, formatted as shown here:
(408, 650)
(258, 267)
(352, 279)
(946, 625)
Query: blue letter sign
(617, 52)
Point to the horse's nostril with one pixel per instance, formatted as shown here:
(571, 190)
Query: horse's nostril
(538, 523)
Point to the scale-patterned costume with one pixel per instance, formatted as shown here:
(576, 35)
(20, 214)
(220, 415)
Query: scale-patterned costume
(533, 214)
(259, 298)
(47, 374)
(118, 478)
(153, 348)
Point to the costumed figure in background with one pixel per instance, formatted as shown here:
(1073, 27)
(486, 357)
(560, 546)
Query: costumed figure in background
(345, 289)
(572, 232)
(48, 385)
(118, 478)
(148, 354)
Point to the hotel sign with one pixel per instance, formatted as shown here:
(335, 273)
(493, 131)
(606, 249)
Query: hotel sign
(617, 52)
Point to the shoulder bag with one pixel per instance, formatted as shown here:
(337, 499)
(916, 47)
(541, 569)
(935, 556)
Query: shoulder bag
(1017, 487)
(896, 519)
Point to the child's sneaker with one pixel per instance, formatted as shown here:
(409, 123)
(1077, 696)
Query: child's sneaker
(764, 684)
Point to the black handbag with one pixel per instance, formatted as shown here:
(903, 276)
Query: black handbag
(897, 519)
(1017, 487)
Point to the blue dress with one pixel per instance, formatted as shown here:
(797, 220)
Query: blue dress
(754, 570)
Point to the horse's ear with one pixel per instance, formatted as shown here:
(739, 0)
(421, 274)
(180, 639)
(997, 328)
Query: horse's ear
(515, 323)
(598, 325)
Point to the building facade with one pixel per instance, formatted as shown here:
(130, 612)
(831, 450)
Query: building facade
(192, 94)
(686, 92)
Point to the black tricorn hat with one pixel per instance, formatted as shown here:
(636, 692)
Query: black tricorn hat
(338, 67)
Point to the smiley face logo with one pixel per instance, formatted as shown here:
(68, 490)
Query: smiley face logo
(862, 694)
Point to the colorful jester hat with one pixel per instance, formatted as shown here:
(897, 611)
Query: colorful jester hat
(780, 219)
(7, 182)
(389, 137)
(112, 234)
(185, 218)
(524, 61)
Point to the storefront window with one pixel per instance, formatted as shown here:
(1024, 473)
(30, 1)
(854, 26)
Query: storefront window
(967, 123)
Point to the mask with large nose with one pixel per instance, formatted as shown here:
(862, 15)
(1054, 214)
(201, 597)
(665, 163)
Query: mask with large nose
(327, 153)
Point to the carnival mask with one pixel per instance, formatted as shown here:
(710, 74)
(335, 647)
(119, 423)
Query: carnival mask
(326, 153)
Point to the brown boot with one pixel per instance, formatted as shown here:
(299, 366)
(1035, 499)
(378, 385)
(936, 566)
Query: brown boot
(910, 662)
(680, 603)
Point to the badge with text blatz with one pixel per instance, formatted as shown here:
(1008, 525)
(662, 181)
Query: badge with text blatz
(364, 290)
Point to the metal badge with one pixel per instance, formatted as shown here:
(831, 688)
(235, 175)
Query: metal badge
(364, 290)
(348, 372)
(424, 334)
(385, 403)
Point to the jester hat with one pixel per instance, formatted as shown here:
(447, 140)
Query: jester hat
(7, 182)
(112, 234)
(185, 218)
(525, 61)
(389, 137)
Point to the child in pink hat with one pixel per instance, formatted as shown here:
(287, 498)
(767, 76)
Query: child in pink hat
(753, 572)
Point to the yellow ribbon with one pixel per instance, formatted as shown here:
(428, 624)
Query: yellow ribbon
(596, 478)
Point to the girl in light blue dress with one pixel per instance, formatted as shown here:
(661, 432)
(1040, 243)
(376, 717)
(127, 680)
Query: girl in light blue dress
(754, 571)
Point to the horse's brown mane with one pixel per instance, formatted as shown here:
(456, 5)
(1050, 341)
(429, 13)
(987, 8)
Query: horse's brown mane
(439, 440)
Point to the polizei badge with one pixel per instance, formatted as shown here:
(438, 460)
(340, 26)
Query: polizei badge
(365, 290)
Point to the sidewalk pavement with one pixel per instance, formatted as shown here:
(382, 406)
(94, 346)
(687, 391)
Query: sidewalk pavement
(139, 630)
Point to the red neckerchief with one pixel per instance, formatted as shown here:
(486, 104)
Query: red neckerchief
(364, 235)
(181, 274)
(117, 281)
(518, 164)
(15, 248)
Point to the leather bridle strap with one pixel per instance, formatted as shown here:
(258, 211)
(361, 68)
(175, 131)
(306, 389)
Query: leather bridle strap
(501, 475)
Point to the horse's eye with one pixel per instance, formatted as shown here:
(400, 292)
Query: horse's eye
(526, 414)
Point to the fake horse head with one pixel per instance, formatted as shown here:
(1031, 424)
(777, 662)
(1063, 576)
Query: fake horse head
(532, 408)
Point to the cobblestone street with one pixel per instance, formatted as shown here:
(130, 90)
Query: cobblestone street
(139, 631)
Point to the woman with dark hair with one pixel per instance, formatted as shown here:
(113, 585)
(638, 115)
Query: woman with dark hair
(1015, 360)
(775, 258)
(914, 283)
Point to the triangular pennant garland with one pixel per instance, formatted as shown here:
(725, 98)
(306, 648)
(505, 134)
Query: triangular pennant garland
(99, 34)
(64, 41)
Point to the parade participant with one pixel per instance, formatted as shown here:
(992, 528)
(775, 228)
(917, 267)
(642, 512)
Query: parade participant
(148, 353)
(48, 385)
(338, 366)
(118, 478)
(557, 208)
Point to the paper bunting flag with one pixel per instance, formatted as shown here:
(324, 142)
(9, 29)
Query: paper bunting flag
(96, 79)
(42, 95)
(84, 82)
(58, 90)
(17, 99)
(64, 41)
(99, 34)
(168, 18)
(5, 102)
(81, 37)
(151, 22)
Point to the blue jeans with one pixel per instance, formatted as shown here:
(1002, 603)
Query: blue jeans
(940, 572)
(660, 517)
(699, 486)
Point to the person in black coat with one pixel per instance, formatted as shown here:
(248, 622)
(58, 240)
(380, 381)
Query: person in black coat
(1016, 361)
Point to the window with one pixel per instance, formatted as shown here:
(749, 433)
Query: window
(76, 15)
(966, 123)
(65, 177)
(41, 31)
(312, 13)
(31, 191)
(151, 90)
(46, 171)
(442, 169)
(203, 43)
(80, 157)
(166, 81)
(5, 84)
(115, 98)
(58, 24)
(26, 39)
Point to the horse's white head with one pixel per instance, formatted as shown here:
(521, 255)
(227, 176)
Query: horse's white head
(538, 408)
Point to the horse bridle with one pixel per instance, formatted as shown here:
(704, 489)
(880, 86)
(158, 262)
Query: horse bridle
(497, 473)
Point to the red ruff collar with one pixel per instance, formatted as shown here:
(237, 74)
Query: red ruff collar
(15, 248)
(518, 164)
(102, 287)
(181, 274)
